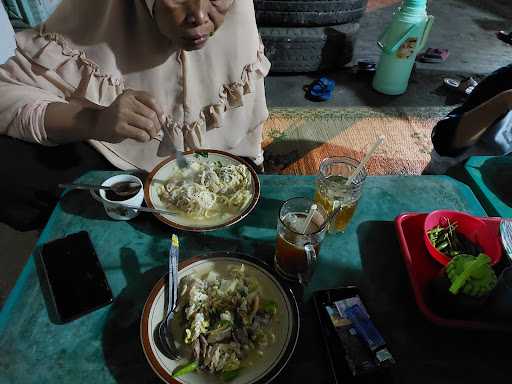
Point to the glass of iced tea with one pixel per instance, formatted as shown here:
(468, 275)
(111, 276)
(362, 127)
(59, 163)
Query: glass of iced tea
(298, 242)
(331, 189)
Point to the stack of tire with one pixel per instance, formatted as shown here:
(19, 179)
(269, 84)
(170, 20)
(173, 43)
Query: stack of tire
(308, 35)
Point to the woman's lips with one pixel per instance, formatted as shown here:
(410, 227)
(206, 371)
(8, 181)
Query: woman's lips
(200, 40)
(196, 40)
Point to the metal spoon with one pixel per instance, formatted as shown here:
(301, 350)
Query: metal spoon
(332, 215)
(165, 340)
(137, 208)
(122, 188)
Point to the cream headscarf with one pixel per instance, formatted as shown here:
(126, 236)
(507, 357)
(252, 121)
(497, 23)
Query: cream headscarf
(93, 50)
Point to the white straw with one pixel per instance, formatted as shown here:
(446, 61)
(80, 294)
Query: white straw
(308, 218)
(363, 162)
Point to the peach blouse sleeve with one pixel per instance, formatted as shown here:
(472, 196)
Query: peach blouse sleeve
(25, 93)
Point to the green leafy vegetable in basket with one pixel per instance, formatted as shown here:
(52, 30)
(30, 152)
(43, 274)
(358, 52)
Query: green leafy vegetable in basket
(449, 241)
(471, 275)
(463, 287)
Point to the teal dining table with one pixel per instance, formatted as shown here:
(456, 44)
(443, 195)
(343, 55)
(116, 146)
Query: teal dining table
(104, 346)
(490, 178)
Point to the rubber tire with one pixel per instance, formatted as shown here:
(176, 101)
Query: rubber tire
(309, 49)
(308, 12)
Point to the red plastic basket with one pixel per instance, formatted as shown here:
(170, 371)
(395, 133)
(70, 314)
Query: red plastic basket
(422, 269)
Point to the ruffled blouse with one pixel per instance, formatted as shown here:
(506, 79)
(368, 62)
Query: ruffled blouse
(212, 98)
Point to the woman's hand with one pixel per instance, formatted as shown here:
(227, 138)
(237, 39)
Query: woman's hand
(134, 114)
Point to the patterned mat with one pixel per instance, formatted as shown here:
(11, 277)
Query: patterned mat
(295, 140)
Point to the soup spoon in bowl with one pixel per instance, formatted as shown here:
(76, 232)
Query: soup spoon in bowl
(122, 188)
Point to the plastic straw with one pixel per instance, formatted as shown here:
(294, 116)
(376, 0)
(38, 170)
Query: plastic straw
(363, 162)
(312, 211)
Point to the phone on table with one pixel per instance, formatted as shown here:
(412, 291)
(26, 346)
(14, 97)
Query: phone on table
(75, 279)
(336, 352)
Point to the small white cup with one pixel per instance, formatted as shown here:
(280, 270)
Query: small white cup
(115, 211)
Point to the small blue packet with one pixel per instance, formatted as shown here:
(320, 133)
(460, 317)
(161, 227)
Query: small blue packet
(364, 327)
(354, 310)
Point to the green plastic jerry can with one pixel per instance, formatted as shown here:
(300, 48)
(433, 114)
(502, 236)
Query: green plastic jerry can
(404, 38)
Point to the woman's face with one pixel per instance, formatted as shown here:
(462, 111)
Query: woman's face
(189, 23)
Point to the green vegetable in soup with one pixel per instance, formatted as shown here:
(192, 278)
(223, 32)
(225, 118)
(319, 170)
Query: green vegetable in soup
(184, 369)
(230, 375)
(269, 306)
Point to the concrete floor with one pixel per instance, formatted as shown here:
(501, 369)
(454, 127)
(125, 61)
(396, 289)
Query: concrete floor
(465, 27)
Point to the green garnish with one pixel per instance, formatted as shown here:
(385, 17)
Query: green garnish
(230, 375)
(224, 324)
(201, 154)
(184, 369)
(269, 306)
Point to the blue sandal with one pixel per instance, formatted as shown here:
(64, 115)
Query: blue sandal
(321, 89)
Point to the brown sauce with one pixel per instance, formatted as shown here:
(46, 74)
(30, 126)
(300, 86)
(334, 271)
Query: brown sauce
(112, 196)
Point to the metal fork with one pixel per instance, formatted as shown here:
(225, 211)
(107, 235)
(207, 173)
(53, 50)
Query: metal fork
(165, 337)
(506, 236)
(180, 159)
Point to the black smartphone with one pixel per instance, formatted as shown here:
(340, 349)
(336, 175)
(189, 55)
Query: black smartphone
(334, 350)
(76, 281)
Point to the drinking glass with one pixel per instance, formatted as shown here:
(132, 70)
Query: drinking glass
(331, 189)
(297, 247)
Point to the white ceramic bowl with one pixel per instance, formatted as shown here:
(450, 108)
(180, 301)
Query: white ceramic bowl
(285, 325)
(114, 210)
(164, 171)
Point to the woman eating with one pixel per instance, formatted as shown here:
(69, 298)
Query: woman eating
(133, 79)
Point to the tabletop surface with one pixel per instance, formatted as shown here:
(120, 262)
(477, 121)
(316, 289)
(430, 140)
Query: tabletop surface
(104, 346)
(491, 181)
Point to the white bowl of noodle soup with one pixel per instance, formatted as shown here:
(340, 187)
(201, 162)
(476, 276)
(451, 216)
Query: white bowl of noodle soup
(167, 176)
